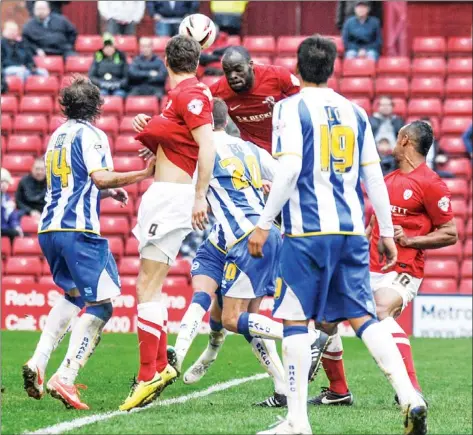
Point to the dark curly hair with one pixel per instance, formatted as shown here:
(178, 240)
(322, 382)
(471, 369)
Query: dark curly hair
(81, 100)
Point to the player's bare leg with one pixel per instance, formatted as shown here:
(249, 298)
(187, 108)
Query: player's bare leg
(55, 329)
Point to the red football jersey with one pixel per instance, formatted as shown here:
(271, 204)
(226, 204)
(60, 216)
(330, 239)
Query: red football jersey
(189, 106)
(252, 111)
(420, 202)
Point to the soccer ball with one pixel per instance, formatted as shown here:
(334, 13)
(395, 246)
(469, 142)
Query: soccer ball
(200, 27)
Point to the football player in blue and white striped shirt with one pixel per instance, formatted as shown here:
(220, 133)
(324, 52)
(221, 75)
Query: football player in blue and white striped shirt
(79, 172)
(325, 144)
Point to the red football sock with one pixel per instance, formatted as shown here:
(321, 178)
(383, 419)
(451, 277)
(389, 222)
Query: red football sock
(149, 344)
(335, 371)
(162, 360)
(404, 346)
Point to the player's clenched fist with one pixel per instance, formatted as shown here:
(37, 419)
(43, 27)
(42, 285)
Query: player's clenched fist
(256, 242)
(140, 121)
(200, 217)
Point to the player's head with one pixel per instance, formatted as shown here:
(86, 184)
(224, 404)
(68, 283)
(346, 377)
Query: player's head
(238, 68)
(182, 55)
(220, 114)
(38, 170)
(81, 100)
(316, 59)
(414, 139)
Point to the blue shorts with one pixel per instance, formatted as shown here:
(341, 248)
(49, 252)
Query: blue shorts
(246, 277)
(325, 278)
(83, 261)
(209, 261)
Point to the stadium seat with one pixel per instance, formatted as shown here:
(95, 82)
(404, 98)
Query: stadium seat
(6, 247)
(334, 84)
(458, 187)
(460, 223)
(469, 229)
(438, 286)
(392, 86)
(466, 286)
(127, 144)
(18, 143)
(459, 46)
(29, 224)
(427, 87)
(113, 105)
(181, 267)
(4, 145)
(54, 64)
(108, 124)
(47, 280)
(424, 107)
(17, 280)
(9, 104)
(429, 46)
(117, 225)
(288, 45)
(126, 43)
(55, 122)
(129, 266)
(454, 125)
(261, 60)
(458, 106)
(145, 184)
(17, 163)
(234, 40)
(116, 245)
(128, 281)
(23, 266)
(12, 188)
(175, 285)
(126, 126)
(36, 104)
(42, 85)
(448, 252)
(289, 63)
(466, 269)
(88, 43)
(7, 124)
(441, 269)
(159, 44)
(459, 66)
(15, 85)
(461, 87)
(148, 105)
(78, 64)
(429, 67)
(132, 190)
(131, 246)
(30, 124)
(458, 167)
(363, 102)
(109, 206)
(467, 249)
(137, 204)
(134, 220)
(26, 246)
(260, 45)
(459, 208)
(45, 269)
(338, 43)
(125, 164)
(356, 86)
(359, 67)
(393, 66)
(208, 80)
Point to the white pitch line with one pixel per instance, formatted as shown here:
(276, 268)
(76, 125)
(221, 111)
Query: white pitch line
(67, 426)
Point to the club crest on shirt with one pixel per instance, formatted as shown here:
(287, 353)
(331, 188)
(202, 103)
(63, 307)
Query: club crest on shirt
(195, 107)
(407, 194)
(444, 203)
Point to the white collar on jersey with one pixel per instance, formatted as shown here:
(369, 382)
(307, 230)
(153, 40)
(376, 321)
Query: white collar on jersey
(312, 89)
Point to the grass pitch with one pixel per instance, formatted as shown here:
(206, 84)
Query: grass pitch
(444, 368)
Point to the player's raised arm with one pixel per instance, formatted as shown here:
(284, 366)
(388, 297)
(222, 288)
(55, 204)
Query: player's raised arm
(269, 165)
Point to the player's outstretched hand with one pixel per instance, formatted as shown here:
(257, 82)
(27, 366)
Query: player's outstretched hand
(120, 195)
(140, 121)
(145, 153)
(256, 242)
(200, 218)
(387, 248)
(266, 186)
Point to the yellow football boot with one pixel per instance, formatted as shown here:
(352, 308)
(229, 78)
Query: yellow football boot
(143, 393)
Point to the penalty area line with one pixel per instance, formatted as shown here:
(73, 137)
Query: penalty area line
(67, 426)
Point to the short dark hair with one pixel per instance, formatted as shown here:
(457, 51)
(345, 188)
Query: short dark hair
(182, 53)
(422, 135)
(81, 100)
(238, 49)
(316, 59)
(220, 113)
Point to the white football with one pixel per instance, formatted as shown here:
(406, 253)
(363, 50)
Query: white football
(200, 27)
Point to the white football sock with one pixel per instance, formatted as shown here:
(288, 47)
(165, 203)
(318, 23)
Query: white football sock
(334, 346)
(54, 331)
(267, 354)
(260, 326)
(216, 340)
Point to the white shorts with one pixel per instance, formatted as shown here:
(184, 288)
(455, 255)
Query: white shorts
(165, 217)
(406, 285)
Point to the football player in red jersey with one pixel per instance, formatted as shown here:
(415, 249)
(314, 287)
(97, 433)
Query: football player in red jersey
(423, 219)
(180, 137)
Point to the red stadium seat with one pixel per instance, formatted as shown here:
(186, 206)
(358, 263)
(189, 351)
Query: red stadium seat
(466, 286)
(132, 190)
(458, 187)
(26, 246)
(78, 64)
(47, 280)
(126, 126)
(459, 46)
(359, 68)
(466, 269)
(234, 40)
(467, 249)
(428, 46)
(109, 206)
(459, 208)
(469, 229)
(36, 104)
(260, 45)
(459, 66)
(454, 125)
(126, 43)
(18, 143)
(449, 252)
(15, 85)
(55, 122)
(356, 86)
(115, 244)
(392, 86)
(6, 247)
(461, 87)
(4, 145)
(145, 184)
(427, 87)
(159, 44)
(334, 84)
(180, 267)
(17, 163)
(125, 164)
(129, 266)
(88, 43)
(108, 124)
(441, 269)
(42, 85)
(289, 63)
(128, 281)
(424, 107)
(458, 167)
(137, 204)
(127, 144)
(363, 102)
(117, 225)
(9, 104)
(23, 266)
(458, 106)
(113, 105)
(261, 60)
(288, 45)
(175, 284)
(429, 67)
(31, 124)
(207, 80)
(17, 280)
(393, 66)
(45, 270)
(460, 228)
(148, 105)
(131, 246)
(338, 43)
(7, 124)
(438, 286)
(29, 224)
(54, 64)
(12, 188)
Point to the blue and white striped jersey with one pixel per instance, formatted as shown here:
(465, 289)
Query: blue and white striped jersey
(76, 150)
(217, 237)
(235, 193)
(334, 138)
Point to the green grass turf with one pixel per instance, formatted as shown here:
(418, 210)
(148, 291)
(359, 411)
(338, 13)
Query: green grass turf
(444, 368)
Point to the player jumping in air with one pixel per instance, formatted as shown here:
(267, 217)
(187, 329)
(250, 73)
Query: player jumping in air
(180, 137)
(324, 143)
(79, 171)
(423, 219)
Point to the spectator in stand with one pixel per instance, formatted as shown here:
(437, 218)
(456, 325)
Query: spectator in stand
(346, 9)
(362, 34)
(17, 57)
(384, 123)
(109, 71)
(56, 6)
(147, 74)
(4, 83)
(31, 192)
(168, 15)
(467, 140)
(385, 150)
(122, 16)
(49, 33)
(228, 15)
(10, 216)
